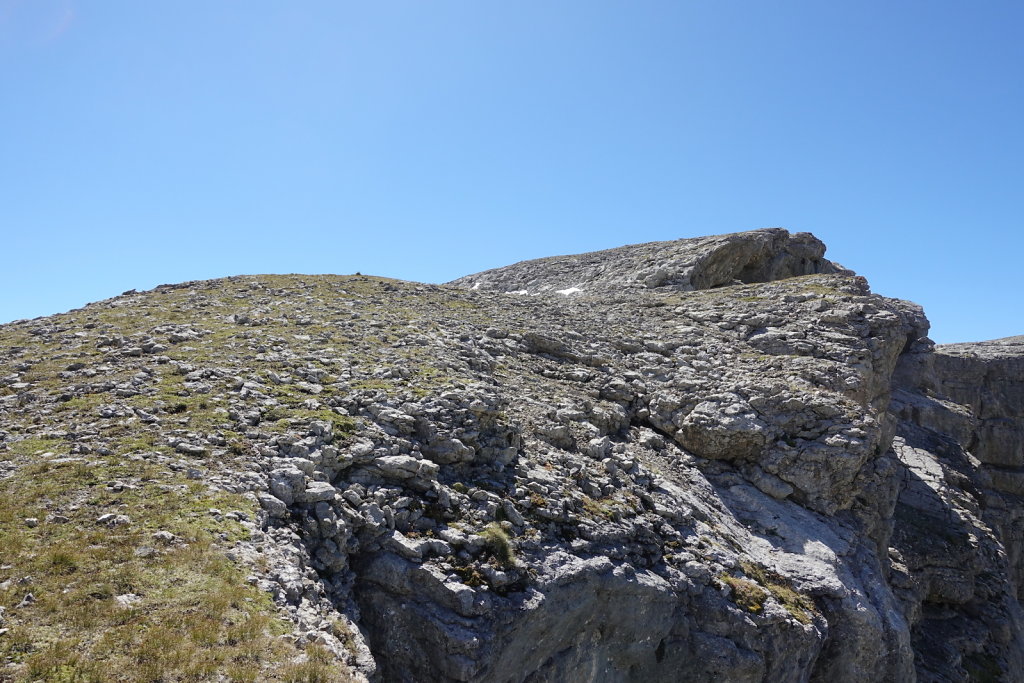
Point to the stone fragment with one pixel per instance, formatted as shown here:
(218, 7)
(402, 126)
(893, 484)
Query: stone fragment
(113, 520)
(286, 483)
(316, 491)
(275, 506)
(190, 448)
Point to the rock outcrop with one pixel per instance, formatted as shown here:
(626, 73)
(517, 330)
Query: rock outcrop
(713, 459)
(684, 265)
(959, 527)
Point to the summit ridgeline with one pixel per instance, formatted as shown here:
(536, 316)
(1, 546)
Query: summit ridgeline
(711, 459)
(683, 265)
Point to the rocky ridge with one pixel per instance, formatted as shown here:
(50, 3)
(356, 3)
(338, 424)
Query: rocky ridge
(682, 265)
(715, 459)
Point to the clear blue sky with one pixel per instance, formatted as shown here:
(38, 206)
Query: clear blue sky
(153, 142)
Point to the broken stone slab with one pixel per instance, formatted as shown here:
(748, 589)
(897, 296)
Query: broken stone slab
(286, 483)
(317, 491)
(406, 467)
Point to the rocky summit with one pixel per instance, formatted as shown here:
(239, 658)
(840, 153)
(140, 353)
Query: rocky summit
(711, 459)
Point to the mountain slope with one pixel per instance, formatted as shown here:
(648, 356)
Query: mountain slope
(713, 459)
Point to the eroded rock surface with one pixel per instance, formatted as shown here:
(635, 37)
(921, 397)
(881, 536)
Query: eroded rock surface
(686, 265)
(712, 459)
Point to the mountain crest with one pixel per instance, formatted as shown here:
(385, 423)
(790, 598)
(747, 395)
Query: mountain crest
(683, 265)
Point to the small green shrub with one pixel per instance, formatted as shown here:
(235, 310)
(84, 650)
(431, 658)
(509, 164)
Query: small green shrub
(801, 607)
(498, 544)
(745, 593)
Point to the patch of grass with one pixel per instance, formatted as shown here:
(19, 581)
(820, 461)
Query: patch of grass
(461, 304)
(596, 508)
(173, 399)
(317, 668)
(745, 593)
(237, 443)
(86, 403)
(470, 575)
(374, 385)
(823, 290)
(34, 446)
(62, 562)
(801, 607)
(186, 611)
(343, 425)
(63, 662)
(136, 442)
(498, 544)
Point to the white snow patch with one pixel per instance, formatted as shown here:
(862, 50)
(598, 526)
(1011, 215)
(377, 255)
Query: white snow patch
(567, 292)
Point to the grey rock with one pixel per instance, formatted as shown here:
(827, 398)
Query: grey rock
(163, 536)
(698, 263)
(286, 483)
(274, 506)
(113, 520)
(316, 491)
(190, 448)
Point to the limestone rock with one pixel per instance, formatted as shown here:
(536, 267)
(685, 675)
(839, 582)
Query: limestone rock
(698, 263)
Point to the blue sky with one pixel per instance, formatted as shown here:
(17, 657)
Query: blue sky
(153, 142)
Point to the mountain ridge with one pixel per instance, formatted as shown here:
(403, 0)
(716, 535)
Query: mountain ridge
(685, 264)
(719, 458)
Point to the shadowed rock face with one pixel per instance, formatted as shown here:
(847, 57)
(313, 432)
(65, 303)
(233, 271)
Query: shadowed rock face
(959, 538)
(713, 459)
(988, 379)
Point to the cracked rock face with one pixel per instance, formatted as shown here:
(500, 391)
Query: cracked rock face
(713, 459)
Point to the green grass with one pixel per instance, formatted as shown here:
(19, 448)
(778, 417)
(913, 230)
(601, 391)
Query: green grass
(746, 594)
(86, 403)
(598, 508)
(344, 425)
(751, 591)
(498, 544)
(195, 616)
(823, 290)
(286, 416)
(374, 385)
